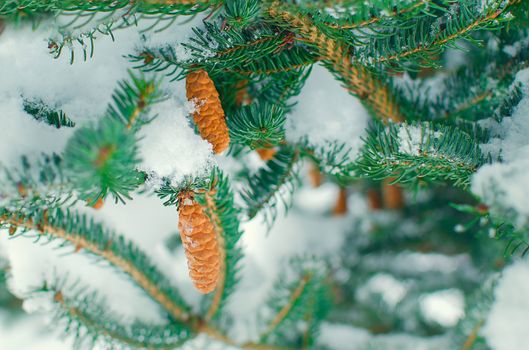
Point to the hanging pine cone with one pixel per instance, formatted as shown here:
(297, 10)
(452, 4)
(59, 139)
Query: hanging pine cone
(199, 239)
(209, 115)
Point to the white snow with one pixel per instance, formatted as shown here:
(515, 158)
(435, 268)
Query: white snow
(506, 327)
(326, 113)
(84, 89)
(390, 289)
(297, 234)
(169, 146)
(33, 264)
(503, 185)
(444, 307)
(413, 137)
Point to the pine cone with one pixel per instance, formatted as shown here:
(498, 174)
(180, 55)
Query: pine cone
(392, 195)
(209, 116)
(199, 239)
(340, 208)
(266, 153)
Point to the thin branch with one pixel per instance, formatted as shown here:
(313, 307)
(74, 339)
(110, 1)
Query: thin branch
(126, 266)
(472, 337)
(375, 19)
(357, 78)
(89, 322)
(443, 41)
(283, 313)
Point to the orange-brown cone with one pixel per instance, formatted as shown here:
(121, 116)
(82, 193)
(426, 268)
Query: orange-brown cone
(315, 176)
(209, 115)
(266, 153)
(200, 244)
(98, 204)
(373, 199)
(340, 208)
(242, 96)
(392, 195)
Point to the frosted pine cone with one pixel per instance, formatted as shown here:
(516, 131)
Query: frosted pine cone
(199, 239)
(209, 115)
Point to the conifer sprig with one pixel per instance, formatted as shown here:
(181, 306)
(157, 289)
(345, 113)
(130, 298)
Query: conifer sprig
(301, 298)
(421, 152)
(258, 125)
(272, 185)
(102, 159)
(30, 8)
(428, 37)
(86, 316)
(337, 57)
(41, 112)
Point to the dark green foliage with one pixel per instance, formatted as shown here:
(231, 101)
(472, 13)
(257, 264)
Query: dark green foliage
(424, 153)
(40, 111)
(241, 13)
(24, 8)
(280, 88)
(259, 125)
(421, 39)
(300, 298)
(214, 50)
(497, 223)
(272, 184)
(132, 100)
(102, 160)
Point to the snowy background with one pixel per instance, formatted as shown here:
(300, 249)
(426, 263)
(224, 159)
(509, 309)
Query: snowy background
(170, 147)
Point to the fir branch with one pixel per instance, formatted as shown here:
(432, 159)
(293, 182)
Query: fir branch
(360, 19)
(31, 8)
(131, 101)
(41, 112)
(86, 316)
(85, 235)
(419, 153)
(214, 50)
(257, 125)
(91, 237)
(281, 87)
(300, 298)
(35, 184)
(415, 45)
(294, 298)
(102, 160)
(286, 60)
(337, 56)
(471, 95)
(268, 186)
(241, 12)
